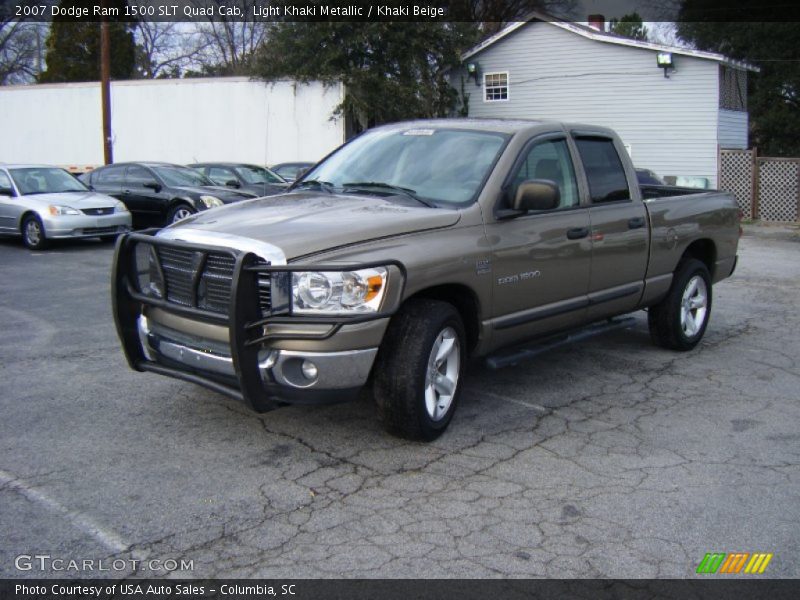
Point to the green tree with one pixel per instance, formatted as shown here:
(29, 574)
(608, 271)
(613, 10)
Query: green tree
(73, 48)
(774, 92)
(630, 26)
(391, 71)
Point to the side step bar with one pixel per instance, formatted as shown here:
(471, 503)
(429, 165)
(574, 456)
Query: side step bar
(512, 356)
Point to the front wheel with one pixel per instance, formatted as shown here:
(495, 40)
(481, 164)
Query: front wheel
(178, 212)
(33, 233)
(679, 321)
(419, 369)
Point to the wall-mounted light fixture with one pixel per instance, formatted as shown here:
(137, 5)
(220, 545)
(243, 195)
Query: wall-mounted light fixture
(473, 70)
(664, 61)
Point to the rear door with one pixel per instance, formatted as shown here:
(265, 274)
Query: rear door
(108, 180)
(541, 260)
(619, 231)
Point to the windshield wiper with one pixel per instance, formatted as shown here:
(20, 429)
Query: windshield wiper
(388, 186)
(325, 186)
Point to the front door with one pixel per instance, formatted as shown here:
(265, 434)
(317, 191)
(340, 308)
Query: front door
(541, 260)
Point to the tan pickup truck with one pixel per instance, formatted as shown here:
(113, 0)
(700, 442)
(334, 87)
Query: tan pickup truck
(412, 249)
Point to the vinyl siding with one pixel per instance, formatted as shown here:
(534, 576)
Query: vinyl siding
(732, 129)
(669, 124)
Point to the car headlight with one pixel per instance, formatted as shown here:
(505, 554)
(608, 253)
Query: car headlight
(120, 208)
(57, 210)
(149, 280)
(211, 201)
(338, 292)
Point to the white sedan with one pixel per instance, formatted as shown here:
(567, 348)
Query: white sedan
(41, 203)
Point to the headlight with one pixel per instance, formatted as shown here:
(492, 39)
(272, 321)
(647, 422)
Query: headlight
(211, 201)
(148, 275)
(338, 292)
(120, 208)
(56, 210)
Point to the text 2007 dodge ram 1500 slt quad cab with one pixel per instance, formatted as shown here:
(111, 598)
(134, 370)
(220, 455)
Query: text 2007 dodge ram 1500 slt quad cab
(411, 249)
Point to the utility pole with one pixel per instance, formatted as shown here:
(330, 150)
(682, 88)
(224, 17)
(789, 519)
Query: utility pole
(105, 85)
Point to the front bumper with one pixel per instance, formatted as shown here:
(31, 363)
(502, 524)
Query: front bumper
(84, 226)
(245, 354)
(336, 376)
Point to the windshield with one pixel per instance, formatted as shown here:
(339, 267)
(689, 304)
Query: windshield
(444, 166)
(253, 174)
(45, 180)
(180, 176)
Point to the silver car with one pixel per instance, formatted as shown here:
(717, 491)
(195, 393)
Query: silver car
(42, 203)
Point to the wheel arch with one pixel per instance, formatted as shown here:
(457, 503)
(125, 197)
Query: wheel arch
(25, 215)
(465, 301)
(704, 250)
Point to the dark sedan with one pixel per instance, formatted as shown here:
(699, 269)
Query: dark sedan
(160, 193)
(250, 178)
(292, 170)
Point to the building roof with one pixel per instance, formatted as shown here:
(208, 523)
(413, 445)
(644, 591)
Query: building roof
(600, 36)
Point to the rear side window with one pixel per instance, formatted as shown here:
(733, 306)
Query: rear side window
(110, 175)
(604, 169)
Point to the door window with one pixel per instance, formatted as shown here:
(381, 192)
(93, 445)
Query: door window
(221, 176)
(550, 160)
(138, 176)
(604, 170)
(5, 181)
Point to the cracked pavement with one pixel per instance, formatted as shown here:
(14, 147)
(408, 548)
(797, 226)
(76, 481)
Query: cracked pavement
(610, 458)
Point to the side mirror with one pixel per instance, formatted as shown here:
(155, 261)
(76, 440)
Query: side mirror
(536, 194)
(155, 186)
(233, 183)
(4, 191)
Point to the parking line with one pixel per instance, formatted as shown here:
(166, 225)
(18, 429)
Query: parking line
(511, 400)
(79, 520)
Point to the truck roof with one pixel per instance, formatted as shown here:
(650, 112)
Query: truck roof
(509, 126)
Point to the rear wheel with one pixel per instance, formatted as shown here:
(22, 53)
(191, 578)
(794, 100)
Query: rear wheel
(679, 321)
(419, 370)
(33, 234)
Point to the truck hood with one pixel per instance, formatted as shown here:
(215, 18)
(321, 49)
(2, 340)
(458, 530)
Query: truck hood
(303, 223)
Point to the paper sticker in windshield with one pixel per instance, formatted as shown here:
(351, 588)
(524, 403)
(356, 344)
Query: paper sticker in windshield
(419, 132)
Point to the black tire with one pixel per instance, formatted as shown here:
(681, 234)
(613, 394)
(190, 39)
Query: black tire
(33, 234)
(179, 211)
(667, 318)
(402, 369)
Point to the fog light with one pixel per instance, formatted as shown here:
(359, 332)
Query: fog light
(309, 370)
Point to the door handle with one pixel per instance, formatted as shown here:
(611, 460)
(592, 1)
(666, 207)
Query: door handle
(636, 223)
(577, 233)
(126, 191)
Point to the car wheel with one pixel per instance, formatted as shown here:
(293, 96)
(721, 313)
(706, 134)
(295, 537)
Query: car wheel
(178, 212)
(33, 233)
(679, 321)
(419, 369)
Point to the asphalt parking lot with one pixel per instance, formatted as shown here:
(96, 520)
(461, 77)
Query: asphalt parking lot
(612, 458)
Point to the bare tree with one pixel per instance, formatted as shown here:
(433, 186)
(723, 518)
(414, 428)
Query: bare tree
(20, 51)
(167, 49)
(231, 43)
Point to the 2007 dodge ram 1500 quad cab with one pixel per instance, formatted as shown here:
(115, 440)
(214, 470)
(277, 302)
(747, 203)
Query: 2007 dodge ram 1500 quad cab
(410, 249)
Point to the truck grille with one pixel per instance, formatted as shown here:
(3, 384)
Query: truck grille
(203, 279)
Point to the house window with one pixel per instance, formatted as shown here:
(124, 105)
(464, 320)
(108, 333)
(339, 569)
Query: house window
(495, 87)
(732, 89)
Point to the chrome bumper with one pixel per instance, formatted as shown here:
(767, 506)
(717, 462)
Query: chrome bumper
(328, 371)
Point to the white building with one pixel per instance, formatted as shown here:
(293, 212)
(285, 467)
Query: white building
(548, 69)
(172, 120)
